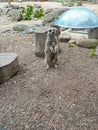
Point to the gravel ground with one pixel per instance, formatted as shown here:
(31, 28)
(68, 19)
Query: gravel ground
(63, 98)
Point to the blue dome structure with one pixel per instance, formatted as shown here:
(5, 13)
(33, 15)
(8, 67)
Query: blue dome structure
(77, 17)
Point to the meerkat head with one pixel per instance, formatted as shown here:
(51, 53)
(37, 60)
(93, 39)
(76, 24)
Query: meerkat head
(51, 31)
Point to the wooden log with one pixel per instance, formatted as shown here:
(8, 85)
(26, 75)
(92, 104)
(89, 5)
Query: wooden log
(40, 38)
(87, 43)
(8, 66)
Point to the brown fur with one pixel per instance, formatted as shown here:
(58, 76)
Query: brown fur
(51, 48)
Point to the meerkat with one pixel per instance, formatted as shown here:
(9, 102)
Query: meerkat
(51, 48)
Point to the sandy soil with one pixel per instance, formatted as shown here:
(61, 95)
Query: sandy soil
(63, 98)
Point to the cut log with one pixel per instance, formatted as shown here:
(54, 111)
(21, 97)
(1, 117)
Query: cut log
(40, 38)
(8, 66)
(88, 43)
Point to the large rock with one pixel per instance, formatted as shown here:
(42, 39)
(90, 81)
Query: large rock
(77, 36)
(12, 6)
(4, 11)
(47, 11)
(79, 3)
(15, 15)
(50, 17)
(20, 27)
(8, 66)
(64, 36)
(87, 43)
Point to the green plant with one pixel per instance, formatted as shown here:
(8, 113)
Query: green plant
(70, 45)
(39, 13)
(92, 52)
(27, 12)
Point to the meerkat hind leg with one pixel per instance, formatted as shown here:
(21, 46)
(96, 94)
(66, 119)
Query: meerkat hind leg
(48, 61)
(56, 65)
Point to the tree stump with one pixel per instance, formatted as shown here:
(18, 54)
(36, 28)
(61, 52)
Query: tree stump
(40, 38)
(8, 66)
(93, 33)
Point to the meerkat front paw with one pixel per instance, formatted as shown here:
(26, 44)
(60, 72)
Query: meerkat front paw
(47, 67)
(56, 65)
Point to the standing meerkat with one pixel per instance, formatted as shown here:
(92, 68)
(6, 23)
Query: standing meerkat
(51, 48)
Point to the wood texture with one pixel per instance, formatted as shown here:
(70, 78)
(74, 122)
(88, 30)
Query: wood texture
(8, 66)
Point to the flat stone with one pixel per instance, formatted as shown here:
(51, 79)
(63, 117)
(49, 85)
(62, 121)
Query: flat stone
(64, 37)
(8, 66)
(20, 27)
(72, 41)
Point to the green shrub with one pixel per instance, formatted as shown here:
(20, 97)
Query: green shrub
(92, 52)
(39, 13)
(28, 12)
(70, 45)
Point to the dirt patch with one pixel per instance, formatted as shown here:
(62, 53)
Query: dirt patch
(63, 98)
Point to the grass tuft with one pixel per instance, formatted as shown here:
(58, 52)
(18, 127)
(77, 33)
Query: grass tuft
(92, 52)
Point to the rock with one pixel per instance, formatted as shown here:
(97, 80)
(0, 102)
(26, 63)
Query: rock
(20, 27)
(15, 15)
(28, 31)
(18, 1)
(77, 36)
(12, 6)
(37, 6)
(64, 37)
(48, 11)
(50, 17)
(8, 66)
(79, 3)
(70, 4)
(64, 3)
(31, 29)
(4, 11)
(72, 41)
(87, 43)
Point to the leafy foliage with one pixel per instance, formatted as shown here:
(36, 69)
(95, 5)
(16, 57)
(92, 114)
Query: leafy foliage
(70, 45)
(92, 52)
(39, 14)
(28, 13)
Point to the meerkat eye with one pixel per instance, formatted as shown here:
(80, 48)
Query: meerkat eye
(50, 30)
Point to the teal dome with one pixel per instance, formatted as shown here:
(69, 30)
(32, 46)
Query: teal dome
(77, 17)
